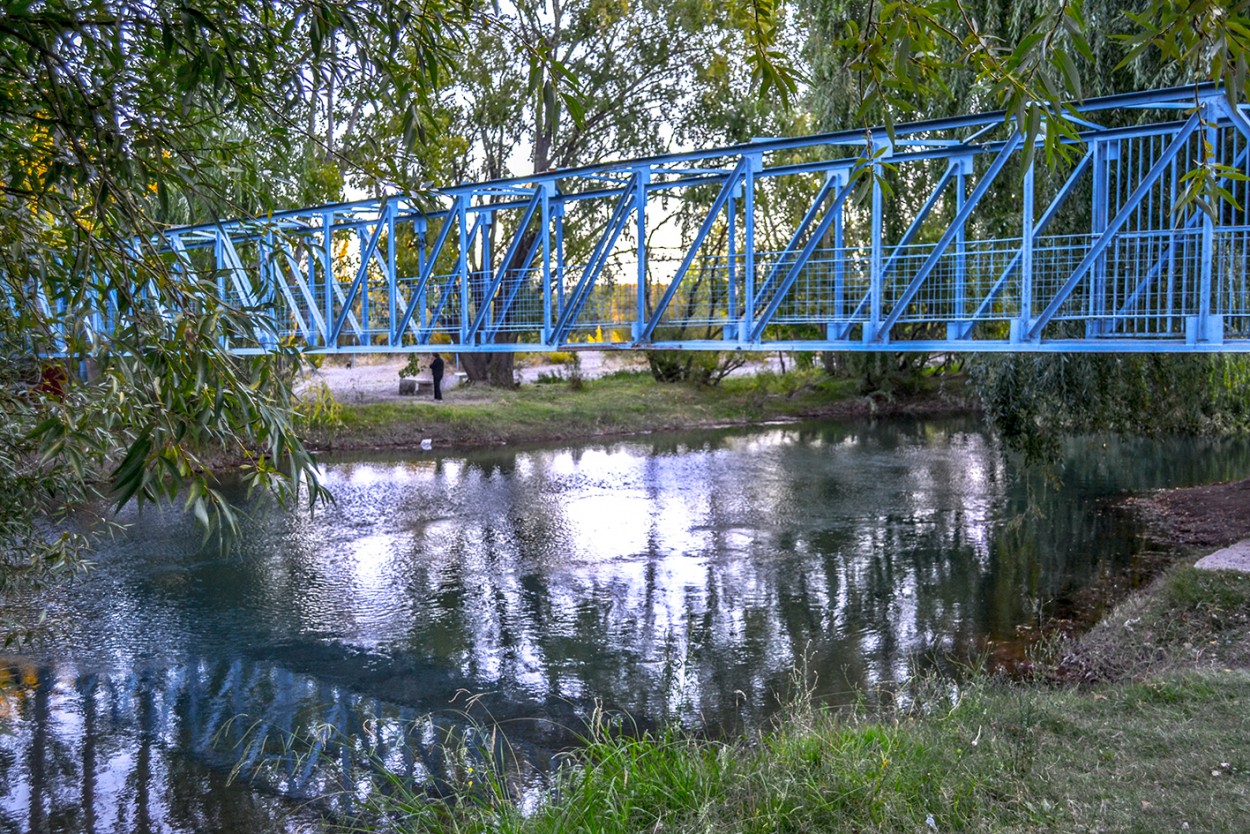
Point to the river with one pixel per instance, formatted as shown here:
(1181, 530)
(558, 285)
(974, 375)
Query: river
(697, 579)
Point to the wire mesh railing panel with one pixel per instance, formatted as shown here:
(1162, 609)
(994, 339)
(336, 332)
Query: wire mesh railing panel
(1147, 284)
(1055, 259)
(1232, 281)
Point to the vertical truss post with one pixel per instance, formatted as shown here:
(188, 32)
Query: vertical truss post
(316, 307)
(1105, 153)
(964, 165)
(559, 288)
(731, 331)
(362, 248)
(1026, 253)
(545, 221)
(218, 272)
(488, 262)
(462, 267)
(839, 250)
(642, 176)
(419, 228)
(876, 273)
(327, 242)
(754, 163)
(392, 289)
(1205, 329)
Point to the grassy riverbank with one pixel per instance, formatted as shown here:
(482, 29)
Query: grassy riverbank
(618, 404)
(1158, 745)
(1142, 724)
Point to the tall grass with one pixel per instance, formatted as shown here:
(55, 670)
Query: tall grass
(1163, 751)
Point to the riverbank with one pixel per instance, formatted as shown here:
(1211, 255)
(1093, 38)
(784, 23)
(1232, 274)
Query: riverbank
(619, 403)
(1139, 725)
(1159, 747)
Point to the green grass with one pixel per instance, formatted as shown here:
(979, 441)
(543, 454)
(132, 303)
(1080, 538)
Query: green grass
(619, 404)
(614, 405)
(1157, 750)
(1189, 619)
(1149, 756)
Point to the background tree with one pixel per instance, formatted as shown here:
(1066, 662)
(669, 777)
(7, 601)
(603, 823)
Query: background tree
(115, 383)
(639, 68)
(874, 63)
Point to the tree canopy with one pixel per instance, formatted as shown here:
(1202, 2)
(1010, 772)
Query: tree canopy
(119, 118)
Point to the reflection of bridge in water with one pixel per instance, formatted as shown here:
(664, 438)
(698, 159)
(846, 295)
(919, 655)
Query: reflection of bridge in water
(962, 243)
(152, 751)
(680, 579)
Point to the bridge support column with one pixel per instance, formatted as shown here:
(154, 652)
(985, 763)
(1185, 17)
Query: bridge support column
(876, 265)
(642, 176)
(1020, 327)
(754, 162)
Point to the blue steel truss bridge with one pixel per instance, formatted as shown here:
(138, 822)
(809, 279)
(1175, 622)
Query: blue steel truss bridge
(945, 236)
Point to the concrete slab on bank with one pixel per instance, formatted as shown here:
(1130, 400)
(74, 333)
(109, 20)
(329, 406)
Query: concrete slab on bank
(1234, 557)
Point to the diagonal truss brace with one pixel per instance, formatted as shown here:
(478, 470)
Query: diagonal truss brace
(385, 220)
(427, 270)
(497, 279)
(846, 186)
(727, 189)
(1194, 219)
(598, 257)
(1121, 217)
(1039, 229)
(949, 235)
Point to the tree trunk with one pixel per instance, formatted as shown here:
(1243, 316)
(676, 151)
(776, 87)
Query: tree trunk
(491, 368)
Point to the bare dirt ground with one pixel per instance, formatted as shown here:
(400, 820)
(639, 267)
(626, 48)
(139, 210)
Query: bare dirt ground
(365, 379)
(1215, 515)
(371, 379)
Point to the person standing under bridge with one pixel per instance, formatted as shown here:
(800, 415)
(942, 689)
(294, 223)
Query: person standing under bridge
(436, 371)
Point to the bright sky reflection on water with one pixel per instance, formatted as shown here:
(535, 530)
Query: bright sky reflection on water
(677, 578)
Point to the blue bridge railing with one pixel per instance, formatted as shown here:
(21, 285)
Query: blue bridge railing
(947, 236)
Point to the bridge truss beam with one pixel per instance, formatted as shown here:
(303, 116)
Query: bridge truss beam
(928, 240)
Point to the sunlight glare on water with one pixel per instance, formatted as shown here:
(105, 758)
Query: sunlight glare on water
(677, 578)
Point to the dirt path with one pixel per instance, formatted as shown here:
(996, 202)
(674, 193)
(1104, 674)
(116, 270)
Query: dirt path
(1215, 515)
(373, 379)
(366, 379)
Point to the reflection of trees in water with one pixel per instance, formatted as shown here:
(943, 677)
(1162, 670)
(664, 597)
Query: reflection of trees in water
(733, 557)
(681, 578)
(155, 752)
(99, 753)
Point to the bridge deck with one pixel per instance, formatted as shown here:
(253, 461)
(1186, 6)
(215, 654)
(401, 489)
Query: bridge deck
(948, 237)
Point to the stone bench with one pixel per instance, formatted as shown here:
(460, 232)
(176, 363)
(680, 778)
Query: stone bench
(415, 387)
(418, 386)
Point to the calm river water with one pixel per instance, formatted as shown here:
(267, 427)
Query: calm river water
(675, 578)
